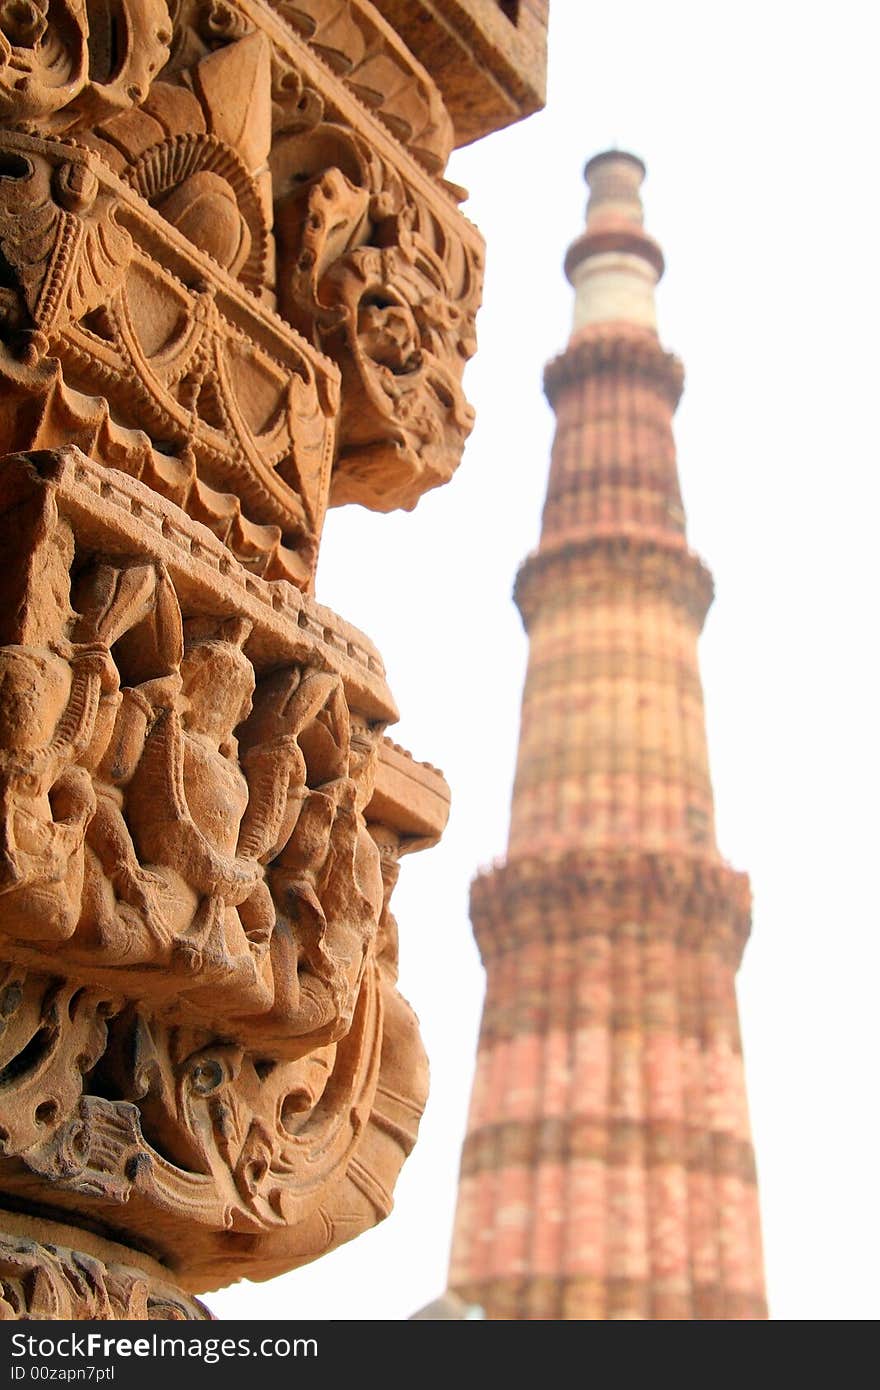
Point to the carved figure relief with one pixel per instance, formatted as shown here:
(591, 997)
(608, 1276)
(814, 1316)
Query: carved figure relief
(371, 275)
(184, 801)
(234, 290)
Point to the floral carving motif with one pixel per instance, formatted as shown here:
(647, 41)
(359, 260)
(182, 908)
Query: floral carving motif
(373, 63)
(233, 413)
(162, 371)
(63, 62)
(234, 290)
(184, 827)
(371, 274)
(135, 827)
(48, 1282)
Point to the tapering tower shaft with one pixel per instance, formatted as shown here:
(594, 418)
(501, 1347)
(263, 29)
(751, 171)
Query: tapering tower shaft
(608, 1168)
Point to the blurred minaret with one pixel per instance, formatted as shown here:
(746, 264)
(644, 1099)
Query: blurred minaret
(608, 1168)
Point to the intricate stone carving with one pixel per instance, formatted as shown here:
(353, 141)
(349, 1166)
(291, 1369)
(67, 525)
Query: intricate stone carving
(235, 289)
(64, 62)
(369, 271)
(488, 57)
(185, 383)
(47, 1282)
(184, 802)
(367, 54)
(139, 268)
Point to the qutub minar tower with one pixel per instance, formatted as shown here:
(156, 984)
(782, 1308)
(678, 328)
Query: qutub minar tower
(608, 1169)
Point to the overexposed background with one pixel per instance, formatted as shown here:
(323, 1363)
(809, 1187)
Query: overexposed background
(758, 124)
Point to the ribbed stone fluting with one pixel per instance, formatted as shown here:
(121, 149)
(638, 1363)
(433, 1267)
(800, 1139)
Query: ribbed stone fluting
(608, 1168)
(612, 745)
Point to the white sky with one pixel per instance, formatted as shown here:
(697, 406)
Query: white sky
(758, 125)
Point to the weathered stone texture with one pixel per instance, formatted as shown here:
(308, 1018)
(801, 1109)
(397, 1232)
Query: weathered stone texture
(235, 290)
(488, 57)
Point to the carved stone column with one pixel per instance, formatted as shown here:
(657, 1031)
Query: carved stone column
(234, 289)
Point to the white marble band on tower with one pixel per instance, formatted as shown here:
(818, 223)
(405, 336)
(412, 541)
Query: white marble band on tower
(614, 265)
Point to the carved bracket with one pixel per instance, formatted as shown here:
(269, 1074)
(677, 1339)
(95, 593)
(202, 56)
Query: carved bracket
(143, 255)
(234, 290)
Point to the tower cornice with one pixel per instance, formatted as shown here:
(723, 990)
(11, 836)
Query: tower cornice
(612, 559)
(615, 348)
(691, 900)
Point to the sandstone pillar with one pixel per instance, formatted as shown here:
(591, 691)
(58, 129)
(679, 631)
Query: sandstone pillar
(235, 289)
